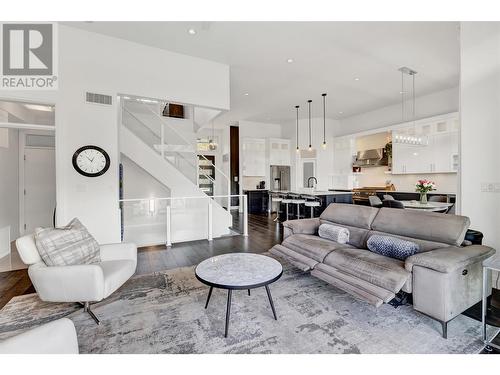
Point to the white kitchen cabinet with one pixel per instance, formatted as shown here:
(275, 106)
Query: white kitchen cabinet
(438, 152)
(254, 157)
(279, 151)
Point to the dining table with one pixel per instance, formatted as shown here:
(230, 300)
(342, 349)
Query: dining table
(428, 206)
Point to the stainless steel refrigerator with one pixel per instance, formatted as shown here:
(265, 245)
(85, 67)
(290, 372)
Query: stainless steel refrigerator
(280, 177)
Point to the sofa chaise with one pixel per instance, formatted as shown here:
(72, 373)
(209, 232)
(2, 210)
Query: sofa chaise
(444, 277)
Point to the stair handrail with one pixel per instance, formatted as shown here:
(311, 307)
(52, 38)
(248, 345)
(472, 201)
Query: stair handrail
(165, 122)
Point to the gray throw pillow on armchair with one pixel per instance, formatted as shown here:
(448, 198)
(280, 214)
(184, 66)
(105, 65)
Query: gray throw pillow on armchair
(66, 246)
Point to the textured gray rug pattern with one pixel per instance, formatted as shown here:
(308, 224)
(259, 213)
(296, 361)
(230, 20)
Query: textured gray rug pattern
(164, 313)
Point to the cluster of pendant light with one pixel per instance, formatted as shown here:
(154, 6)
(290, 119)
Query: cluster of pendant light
(323, 145)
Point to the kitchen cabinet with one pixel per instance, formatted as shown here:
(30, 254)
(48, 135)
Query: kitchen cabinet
(254, 157)
(437, 151)
(257, 201)
(279, 151)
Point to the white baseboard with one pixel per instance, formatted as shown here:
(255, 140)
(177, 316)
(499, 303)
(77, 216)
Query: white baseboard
(4, 241)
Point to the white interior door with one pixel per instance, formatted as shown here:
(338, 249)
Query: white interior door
(39, 187)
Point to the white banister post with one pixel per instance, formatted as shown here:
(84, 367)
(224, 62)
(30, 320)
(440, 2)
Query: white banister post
(245, 216)
(169, 225)
(228, 195)
(210, 219)
(162, 141)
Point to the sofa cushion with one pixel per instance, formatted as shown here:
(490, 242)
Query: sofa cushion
(391, 247)
(357, 236)
(350, 214)
(66, 246)
(312, 246)
(334, 233)
(430, 226)
(385, 272)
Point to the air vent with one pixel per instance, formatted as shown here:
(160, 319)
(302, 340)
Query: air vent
(94, 98)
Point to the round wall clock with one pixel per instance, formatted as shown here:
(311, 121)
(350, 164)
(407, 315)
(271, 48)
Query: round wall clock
(91, 161)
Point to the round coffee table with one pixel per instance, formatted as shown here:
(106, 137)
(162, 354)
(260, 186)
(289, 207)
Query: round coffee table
(239, 271)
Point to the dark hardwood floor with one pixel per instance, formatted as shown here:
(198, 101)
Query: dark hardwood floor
(14, 283)
(263, 234)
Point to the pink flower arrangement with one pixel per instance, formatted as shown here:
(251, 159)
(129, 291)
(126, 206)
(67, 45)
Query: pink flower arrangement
(424, 186)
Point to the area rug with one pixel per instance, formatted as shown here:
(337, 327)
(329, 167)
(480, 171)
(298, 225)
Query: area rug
(164, 313)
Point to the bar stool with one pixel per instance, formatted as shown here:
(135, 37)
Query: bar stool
(312, 204)
(286, 201)
(298, 202)
(278, 200)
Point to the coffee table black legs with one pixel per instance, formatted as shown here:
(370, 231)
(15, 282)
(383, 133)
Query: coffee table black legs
(209, 295)
(271, 301)
(228, 307)
(228, 310)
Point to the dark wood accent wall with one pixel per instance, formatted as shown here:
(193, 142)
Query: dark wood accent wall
(234, 141)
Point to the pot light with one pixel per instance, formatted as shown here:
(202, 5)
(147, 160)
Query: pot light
(289, 61)
(246, 94)
(191, 31)
(356, 79)
(341, 113)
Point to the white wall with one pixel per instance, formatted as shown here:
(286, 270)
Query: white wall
(97, 63)
(437, 103)
(324, 157)
(480, 126)
(9, 188)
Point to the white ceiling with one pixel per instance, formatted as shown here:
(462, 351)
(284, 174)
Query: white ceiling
(328, 56)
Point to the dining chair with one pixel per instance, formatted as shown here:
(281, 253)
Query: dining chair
(438, 198)
(375, 201)
(392, 203)
(388, 197)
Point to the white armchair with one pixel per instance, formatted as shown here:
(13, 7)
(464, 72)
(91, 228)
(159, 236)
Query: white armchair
(80, 283)
(57, 337)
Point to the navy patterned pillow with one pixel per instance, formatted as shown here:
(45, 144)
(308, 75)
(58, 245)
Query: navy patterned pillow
(392, 247)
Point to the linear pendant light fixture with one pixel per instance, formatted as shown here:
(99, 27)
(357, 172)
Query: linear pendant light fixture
(309, 104)
(414, 140)
(323, 145)
(297, 126)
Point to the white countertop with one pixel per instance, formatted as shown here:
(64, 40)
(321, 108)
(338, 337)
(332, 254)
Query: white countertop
(312, 193)
(414, 192)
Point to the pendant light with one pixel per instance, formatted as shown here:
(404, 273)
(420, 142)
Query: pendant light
(212, 145)
(309, 104)
(297, 126)
(323, 145)
(408, 139)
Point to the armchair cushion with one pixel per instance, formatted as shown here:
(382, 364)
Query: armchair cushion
(57, 337)
(450, 258)
(69, 245)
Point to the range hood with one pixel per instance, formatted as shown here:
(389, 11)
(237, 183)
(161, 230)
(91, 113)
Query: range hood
(371, 158)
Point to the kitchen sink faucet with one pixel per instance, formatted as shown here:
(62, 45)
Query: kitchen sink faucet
(315, 183)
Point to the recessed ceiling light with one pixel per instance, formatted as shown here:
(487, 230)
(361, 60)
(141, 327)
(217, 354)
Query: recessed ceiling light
(246, 94)
(289, 61)
(401, 92)
(191, 31)
(356, 79)
(340, 112)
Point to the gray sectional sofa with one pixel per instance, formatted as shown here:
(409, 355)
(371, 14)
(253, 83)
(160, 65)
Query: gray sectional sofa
(444, 277)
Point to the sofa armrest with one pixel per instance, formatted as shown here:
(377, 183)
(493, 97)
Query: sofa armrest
(118, 251)
(301, 226)
(57, 337)
(449, 259)
(79, 283)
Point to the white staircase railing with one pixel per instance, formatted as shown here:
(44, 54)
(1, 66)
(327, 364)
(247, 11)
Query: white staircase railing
(169, 208)
(175, 147)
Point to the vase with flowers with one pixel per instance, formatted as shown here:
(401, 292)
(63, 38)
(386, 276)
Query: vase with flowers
(423, 187)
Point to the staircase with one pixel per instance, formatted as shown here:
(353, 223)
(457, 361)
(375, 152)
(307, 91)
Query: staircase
(165, 148)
